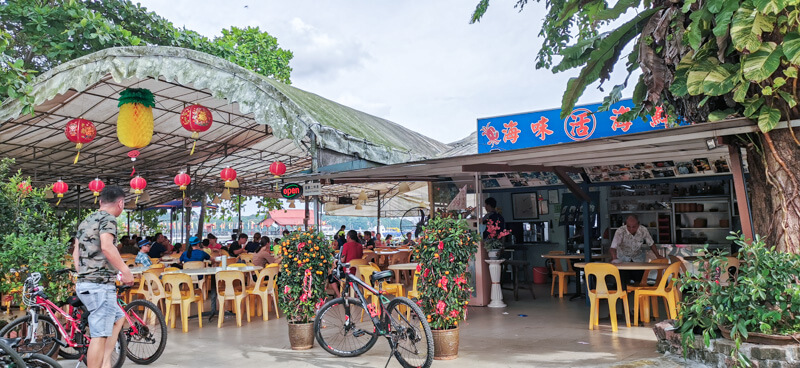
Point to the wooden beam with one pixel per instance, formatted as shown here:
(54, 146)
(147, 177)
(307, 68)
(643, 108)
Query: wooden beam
(740, 189)
(571, 185)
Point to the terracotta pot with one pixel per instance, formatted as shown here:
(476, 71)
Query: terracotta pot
(445, 344)
(301, 335)
(759, 338)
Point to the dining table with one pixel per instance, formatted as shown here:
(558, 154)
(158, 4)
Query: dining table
(573, 258)
(206, 271)
(402, 267)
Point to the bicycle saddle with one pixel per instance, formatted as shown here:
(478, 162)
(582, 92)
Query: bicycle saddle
(74, 301)
(11, 342)
(380, 276)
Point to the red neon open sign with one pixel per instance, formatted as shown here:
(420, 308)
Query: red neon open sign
(291, 191)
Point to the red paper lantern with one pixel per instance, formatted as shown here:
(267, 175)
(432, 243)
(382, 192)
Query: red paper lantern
(196, 119)
(138, 184)
(228, 175)
(182, 180)
(96, 186)
(80, 131)
(277, 168)
(24, 188)
(60, 188)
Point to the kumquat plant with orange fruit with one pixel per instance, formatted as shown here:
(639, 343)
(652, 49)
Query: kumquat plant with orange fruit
(307, 258)
(446, 245)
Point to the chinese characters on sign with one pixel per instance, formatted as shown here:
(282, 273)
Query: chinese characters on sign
(547, 127)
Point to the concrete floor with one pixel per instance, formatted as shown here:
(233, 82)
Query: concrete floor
(553, 334)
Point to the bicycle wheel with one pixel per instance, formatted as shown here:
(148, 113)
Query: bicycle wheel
(147, 342)
(118, 355)
(9, 357)
(45, 340)
(40, 361)
(412, 334)
(78, 337)
(344, 330)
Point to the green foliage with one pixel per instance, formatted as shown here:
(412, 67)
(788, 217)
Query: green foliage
(13, 76)
(444, 251)
(28, 235)
(739, 57)
(46, 33)
(307, 257)
(764, 298)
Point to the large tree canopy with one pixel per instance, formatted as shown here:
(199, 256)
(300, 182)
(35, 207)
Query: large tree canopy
(40, 34)
(703, 60)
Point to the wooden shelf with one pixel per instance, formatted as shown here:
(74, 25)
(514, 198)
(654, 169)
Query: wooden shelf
(638, 212)
(702, 228)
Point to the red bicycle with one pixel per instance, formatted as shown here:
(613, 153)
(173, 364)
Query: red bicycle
(143, 337)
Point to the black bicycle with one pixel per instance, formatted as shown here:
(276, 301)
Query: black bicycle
(342, 329)
(9, 358)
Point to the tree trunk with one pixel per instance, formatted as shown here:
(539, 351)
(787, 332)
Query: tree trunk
(775, 189)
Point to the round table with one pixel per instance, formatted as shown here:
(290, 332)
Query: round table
(138, 270)
(632, 266)
(214, 270)
(402, 267)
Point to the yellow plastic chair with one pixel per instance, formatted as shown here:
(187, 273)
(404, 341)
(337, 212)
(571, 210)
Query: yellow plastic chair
(227, 289)
(200, 284)
(155, 260)
(414, 293)
(643, 284)
(237, 265)
(156, 293)
(663, 289)
(561, 274)
(601, 291)
(130, 262)
(180, 289)
(263, 288)
(171, 269)
(358, 262)
(370, 257)
(364, 272)
(246, 258)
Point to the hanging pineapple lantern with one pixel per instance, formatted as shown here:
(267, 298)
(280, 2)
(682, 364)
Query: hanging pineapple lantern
(182, 180)
(60, 188)
(138, 184)
(96, 186)
(196, 119)
(80, 131)
(277, 168)
(135, 119)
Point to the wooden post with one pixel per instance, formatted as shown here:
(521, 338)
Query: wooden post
(740, 188)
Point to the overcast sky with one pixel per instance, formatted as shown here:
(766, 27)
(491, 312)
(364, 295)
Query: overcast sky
(417, 63)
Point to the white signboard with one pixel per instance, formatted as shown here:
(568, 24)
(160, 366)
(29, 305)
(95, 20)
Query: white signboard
(312, 189)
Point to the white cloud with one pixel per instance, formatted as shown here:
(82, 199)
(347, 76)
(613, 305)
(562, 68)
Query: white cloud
(318, 54)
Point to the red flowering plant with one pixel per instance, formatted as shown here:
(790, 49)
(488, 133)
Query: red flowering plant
(446, 246)
(494, 239)
(307, 257)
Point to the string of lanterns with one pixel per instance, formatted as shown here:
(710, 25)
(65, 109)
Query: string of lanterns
(135, 127)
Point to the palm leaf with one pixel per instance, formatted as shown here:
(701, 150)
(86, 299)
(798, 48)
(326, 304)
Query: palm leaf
(619, 8)
(600, 58)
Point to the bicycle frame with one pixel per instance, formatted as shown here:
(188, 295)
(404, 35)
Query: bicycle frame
(373, 315)
(51, 309)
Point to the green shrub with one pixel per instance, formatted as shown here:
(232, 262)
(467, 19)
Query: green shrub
(445, 248)
(307, 257)
(764, 298)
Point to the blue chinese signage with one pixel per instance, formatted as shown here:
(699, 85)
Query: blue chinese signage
(544, 128)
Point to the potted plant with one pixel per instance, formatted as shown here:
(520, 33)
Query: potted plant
(759, 306)
(445, 248)
(494, 240)
(307, 257)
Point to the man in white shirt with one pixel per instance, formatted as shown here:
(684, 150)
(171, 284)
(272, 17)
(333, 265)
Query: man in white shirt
(629, 245)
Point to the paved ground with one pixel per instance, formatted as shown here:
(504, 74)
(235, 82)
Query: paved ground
(547, 332)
